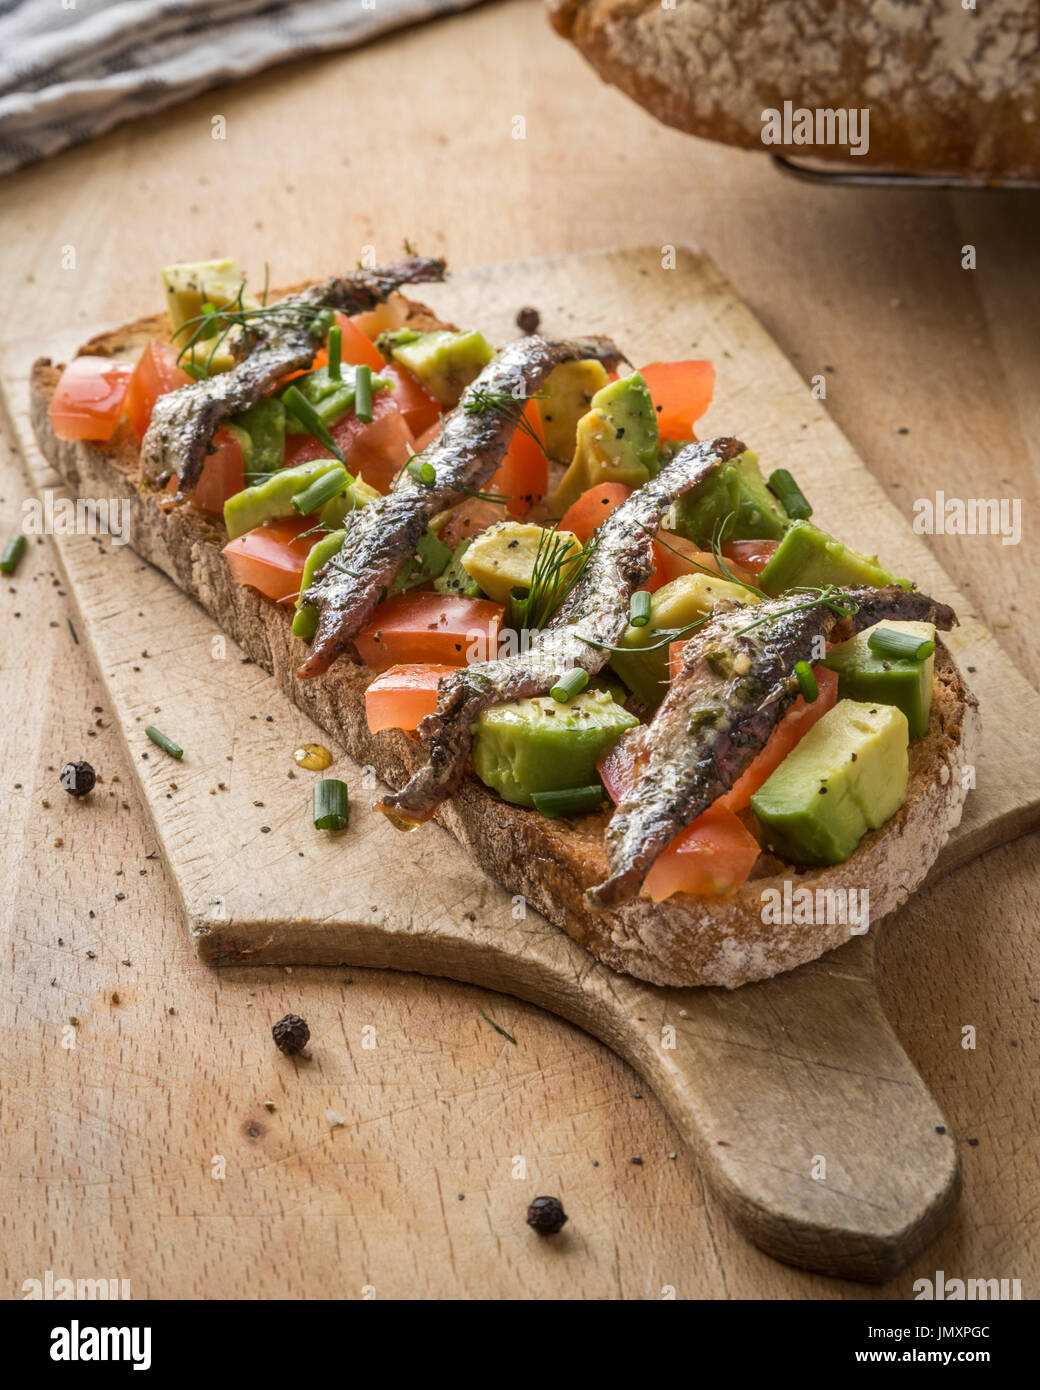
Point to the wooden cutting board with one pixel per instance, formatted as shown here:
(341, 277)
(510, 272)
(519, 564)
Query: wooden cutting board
(808, 1119)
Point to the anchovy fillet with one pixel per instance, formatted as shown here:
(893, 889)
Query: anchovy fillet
(735, 684)
(185, 421)
(591, 619)
(383, 535)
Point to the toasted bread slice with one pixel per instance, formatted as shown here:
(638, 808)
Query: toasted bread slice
(685, 940)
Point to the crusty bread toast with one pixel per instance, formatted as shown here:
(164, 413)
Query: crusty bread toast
(685, 940)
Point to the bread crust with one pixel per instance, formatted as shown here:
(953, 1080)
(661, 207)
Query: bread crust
(685, 940)
(949, 90)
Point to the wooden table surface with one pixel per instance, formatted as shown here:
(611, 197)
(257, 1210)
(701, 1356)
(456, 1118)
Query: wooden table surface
(136, 1141)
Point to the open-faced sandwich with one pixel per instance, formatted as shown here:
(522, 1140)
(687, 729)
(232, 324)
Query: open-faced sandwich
(620, 665)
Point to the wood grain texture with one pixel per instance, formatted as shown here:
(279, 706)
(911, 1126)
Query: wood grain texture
(106, 1163)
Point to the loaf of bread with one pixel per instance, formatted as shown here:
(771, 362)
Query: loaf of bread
(926, 86)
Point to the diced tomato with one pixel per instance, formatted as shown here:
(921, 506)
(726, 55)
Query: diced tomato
(593, 507)
(221, 476)
(681, 393)
(427, 628)
(427, 437)
(271, 557)
(155, 375)
(795, 724)
(419, 408)
(713, 856)
(617, 767)
(356, 349)
(377, 451)
(89, 397)
(681, 556)
(403, 695)
(752, 555)
(524, 474)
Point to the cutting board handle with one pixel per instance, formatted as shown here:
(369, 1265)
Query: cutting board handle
(809, 1121)
(814, 1129)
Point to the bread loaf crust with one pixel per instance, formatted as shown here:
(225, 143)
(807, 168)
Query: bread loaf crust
(949, 90)
(683, 941)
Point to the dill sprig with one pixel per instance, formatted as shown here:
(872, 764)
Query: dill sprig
(218, 323)
(557, 568)
(507, 406)
(667, 636)
(828, 594)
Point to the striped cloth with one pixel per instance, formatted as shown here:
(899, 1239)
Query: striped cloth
(72, 69)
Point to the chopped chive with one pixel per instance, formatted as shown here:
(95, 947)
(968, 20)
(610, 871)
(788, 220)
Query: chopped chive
(166, 744)
(807, 682)
(13, 552)
(496, 1026)
(571, 801)
(312, 422)
(335, 352)
(792, 498)
(639, 608)
(194, 370)
(322, 490)
(421, 472)
(363, 394)
(570, 685)
(885, 641)
(331, 804)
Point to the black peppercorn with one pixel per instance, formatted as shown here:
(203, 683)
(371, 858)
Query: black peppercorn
(528, 319)
(546, 1215)
(78, 778)
(291, 1034)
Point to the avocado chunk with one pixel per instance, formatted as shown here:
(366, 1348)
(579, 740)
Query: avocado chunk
(848, 775)
(808, 558)
(273, 497)
(264, 425)
(456, 579)
(305, 623)
(565, 397)
(354, 495)
(540, 745)
(504, 556)
(674, 605)
(444, 362)
(616, 442)
(732, 502)
(874, 679)
(190, 284)
(430, 559)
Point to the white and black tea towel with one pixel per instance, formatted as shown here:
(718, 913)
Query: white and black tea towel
(72, 69)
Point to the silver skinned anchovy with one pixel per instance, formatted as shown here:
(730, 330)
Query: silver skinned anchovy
(591, 618)
(382, 536)
(184, 422)
(733, 688)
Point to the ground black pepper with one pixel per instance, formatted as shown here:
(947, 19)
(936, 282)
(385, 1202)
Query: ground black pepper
(528, 319)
